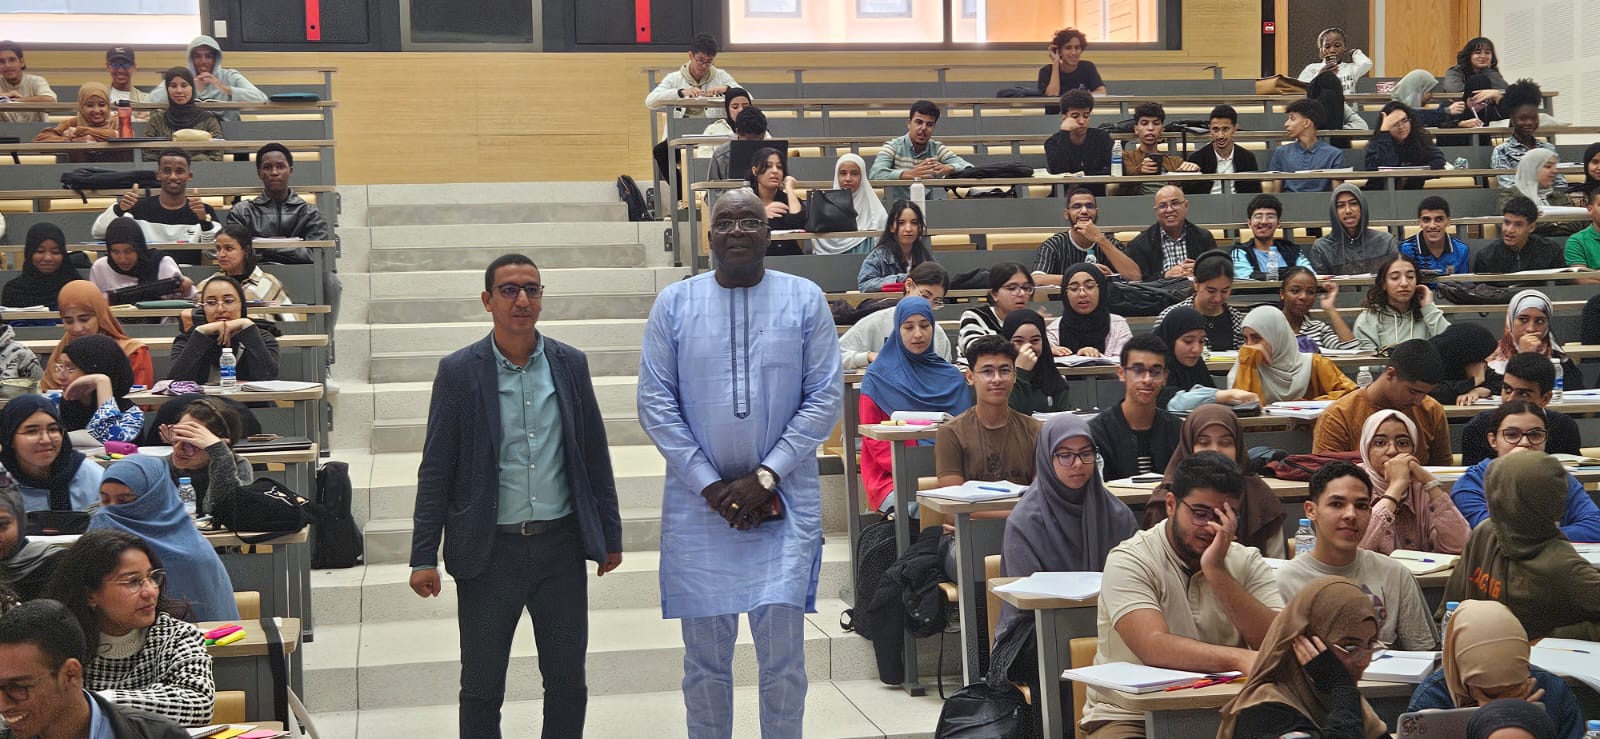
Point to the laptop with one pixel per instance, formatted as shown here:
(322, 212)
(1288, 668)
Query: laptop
(740, 153)
(277, 444)
(1444, 724)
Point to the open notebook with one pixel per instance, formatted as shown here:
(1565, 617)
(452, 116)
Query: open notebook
(1069, 585)
(1131, 678)
(1396, 666)
(1422, 563)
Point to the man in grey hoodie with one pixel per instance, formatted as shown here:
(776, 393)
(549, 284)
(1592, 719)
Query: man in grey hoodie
(1351, 248)
(213, 81)
(17, 360)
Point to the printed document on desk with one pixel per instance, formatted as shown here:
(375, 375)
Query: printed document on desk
(1131, 678)
(278, 386)
(976, 491)
(1572, 658)
(1397, 666)
(1068, 585)
(1422, 563)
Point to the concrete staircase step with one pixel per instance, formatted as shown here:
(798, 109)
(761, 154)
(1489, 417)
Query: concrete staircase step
(546, 254)
(558, 282)
(431, 310)
(423, 366)
(616, 394)
(388, 541)
(471, 193)
(407, 434)
(433, 336)
(635, 642)
(431, 215)
(838, 709)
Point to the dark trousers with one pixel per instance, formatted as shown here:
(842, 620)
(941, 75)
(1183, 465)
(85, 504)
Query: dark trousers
(545, 574)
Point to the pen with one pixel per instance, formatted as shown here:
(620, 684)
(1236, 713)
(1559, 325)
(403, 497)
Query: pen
(994, 488)
(1565, 649)
(1414, 559)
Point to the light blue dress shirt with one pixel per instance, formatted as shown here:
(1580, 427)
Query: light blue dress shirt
(533, 473)
(99, 722)
(1292, 157)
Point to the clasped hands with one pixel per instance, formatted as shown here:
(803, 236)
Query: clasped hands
(742, 502)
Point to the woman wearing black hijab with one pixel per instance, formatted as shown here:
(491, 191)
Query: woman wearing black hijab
(97, 378)
(1040, 387)
(181, 113)
(1189, 381)
(1087, 327)
(1464, 349)
(130, 261)
(50, 474)
(1591, 174)
(25, 566)
(45, 269)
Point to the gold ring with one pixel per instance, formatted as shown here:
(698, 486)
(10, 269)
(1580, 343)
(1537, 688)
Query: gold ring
(734, 506)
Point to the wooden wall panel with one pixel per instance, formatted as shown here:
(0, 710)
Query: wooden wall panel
(1434, 31)
(485, 117)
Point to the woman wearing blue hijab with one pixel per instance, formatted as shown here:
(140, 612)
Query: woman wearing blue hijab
(908, 376)
(138, 497)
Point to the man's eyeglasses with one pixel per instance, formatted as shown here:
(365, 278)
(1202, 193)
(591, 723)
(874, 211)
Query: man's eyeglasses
(992, 373)
(135, 583)
(744, 224)
(1201, 514)
(213, 302)
(700, 59)
(18, 692)
(121, 65)
(1139, 371)
(510, 291)
(1515, 436)
(1087, 456)
(1173, 205)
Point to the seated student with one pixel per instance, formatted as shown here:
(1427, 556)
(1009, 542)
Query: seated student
(121, 589)
(1350, 248)
(1476, 57)
(1135, 436)
(1528, 330)
(121, 66)
(94, 122)
(1040, 388)
(749, 125)
(1415, 90)
(1272, 366)
(915, 155)
(1591, 176)
(182, 114)
(50, 474)
(1170, 247)
(1142, 156)
(1189, 382)
(1511, 719)
(170, 216)
(1082, 243)
(1535, 180)
(46, 269)
(777, 192)
(697, 78)
(1340, 513)
(1411, 509)
(1411, 372)
(1153, 610)
(1010, 288)
(1306, 152)
(1519, 246)
(1265, 256)
(907, 376)
(1401, 141)
(850, 175)
(1077, 146)
(1087, 327)
(1468, 378)
(214, 82)
(1433, 248)
(1518, 555)
(202, 442)
(96, 378)
(859, 346)
(84, 311)
(195, 354)
(25, 566)
(1331, 52)
(1067, 69)
(42, 638)
(17, 361)
(18, 86)
(1583, 247)
(280, 213)
(1520, 426)
(734, 100)
(1221, 156)
(1303, 683)
(1298, 293)
(1397, 307)
(130, 261)
(1067, 494)
(1528, 377)
(236, 258)
(1215, 428)
(157, 426)
(138, 496)
(1485, 659)
(990, 441)
(1213, 283)
(903, 245)
(1521, 103)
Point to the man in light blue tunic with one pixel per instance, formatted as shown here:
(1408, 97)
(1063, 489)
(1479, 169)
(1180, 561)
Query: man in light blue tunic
(739, 382)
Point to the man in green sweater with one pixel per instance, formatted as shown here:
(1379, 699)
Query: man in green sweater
(1583, 247)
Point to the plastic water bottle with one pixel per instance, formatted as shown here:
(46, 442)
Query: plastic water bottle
(227, 369)
(186, 494)
(1205, 350)
(1460, 162)
(124, 119)
(1304, 538)
(1555, 395)
(1449, 611)
(919, 192)
(1593, 731)
(1088, 256)
(1273, 265)
(1364, 377)
(1116, 158)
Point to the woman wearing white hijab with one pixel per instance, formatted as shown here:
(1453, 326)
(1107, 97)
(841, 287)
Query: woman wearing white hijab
(850, 173)
(1272, 366)
(1536, 180)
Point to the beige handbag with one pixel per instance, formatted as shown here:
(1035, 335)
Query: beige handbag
(1280, 85)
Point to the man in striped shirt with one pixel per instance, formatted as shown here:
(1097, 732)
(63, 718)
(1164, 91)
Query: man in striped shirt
(915, 156)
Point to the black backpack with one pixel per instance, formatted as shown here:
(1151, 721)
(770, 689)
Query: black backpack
(638, 206)
(1148, 298)
(335, 537)
(885, 627)
(83, 179)
(266, 506)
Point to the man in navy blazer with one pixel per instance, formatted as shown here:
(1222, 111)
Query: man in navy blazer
(516, 476)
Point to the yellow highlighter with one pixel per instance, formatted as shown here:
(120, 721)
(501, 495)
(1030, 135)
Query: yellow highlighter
(231, 638)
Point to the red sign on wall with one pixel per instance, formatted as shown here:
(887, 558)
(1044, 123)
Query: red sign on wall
(1269, 27)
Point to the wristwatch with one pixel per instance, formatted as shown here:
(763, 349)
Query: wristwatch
(767, 478)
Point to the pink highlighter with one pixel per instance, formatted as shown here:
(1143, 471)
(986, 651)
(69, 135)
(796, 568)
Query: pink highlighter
(222, 631)
(121, 447)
